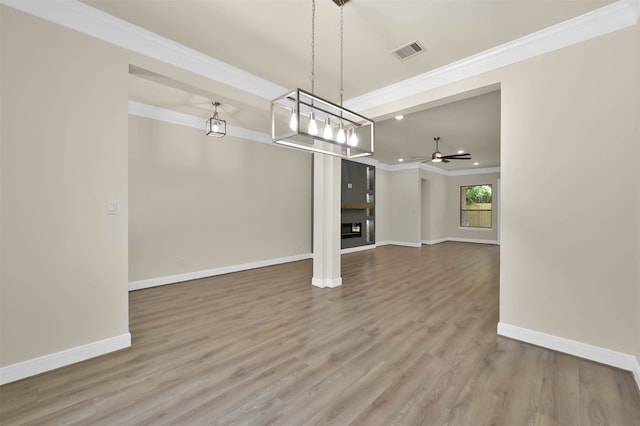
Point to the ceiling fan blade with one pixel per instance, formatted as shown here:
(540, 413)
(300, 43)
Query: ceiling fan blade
(437, 156)
(455, 157)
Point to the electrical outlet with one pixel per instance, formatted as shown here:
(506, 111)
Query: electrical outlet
(112, 207)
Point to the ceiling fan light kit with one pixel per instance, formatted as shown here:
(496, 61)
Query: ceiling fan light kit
(295, 116)
(438, 157)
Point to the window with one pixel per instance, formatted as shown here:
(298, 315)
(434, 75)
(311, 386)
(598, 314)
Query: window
(475, 206)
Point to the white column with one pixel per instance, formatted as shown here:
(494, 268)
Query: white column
(326, 221)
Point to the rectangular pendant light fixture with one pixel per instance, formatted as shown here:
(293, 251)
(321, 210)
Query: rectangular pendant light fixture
(302, 120)
(215, 126)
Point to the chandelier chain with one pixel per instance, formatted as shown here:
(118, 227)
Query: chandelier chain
(313, 45)
(341, 54)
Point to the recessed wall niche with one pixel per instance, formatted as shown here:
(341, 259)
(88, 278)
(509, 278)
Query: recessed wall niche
(358, 204)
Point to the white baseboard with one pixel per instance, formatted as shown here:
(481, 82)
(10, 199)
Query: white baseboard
(396, 243)
(359, 248)
(432, 242)
(436, 241)
(172, 279)
(572, 347)
(404, 244)
(460, 240)
(21, 370)
(472, 240)
(326, 283)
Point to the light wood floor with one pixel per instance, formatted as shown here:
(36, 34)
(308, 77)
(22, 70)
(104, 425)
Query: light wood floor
(410, 338)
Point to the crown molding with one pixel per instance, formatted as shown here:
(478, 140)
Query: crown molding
(427, 167)
(403, 166)
(384, 166)
(463, 172)
(481, 171)
(434, 169)
(610, 18)
(88, 20)
(368, 161)
(166, 115)
(635, 7)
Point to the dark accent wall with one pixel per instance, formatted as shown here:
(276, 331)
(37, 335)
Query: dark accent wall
(358, 202)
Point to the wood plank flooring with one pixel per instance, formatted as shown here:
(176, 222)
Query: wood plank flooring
(410, 338)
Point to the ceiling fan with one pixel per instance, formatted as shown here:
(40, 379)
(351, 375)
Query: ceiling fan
(438, 157)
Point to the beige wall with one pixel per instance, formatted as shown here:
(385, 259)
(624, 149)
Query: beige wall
(570, 138)
(570, 270)
(638, 203)
(382, 205)
(198, 203)
(425, 209)
(453, 207)
(405, 206)
(438, 215)
(424, 206)
(64, 157)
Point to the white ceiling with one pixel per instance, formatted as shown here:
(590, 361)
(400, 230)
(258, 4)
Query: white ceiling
(471, 125)
(272, 40)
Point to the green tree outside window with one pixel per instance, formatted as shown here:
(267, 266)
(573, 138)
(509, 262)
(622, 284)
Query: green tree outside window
(476, 206)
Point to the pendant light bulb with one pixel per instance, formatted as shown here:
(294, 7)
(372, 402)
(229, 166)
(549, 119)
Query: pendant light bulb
(313, 125)
(293, 122)
(341, 136)
(328, 133)
(353, 139)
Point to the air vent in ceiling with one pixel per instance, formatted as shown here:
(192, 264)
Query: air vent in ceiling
(408, 50)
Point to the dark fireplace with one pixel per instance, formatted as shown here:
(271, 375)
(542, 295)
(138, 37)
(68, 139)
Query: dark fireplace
(351, 230)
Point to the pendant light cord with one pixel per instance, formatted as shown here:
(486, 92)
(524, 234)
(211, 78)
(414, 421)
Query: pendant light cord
(313, 45)
(313, 49)
(341, 54)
